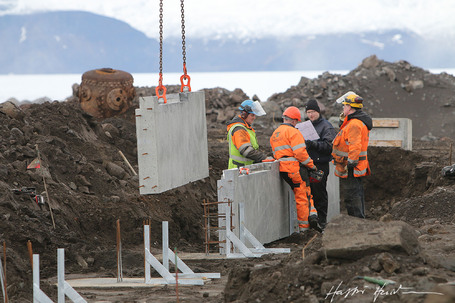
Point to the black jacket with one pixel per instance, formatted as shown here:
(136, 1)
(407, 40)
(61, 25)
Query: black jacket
(321, 151)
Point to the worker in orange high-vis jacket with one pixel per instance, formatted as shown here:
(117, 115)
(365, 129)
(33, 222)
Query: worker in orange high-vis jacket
(350, 152)
(243, 145)
(289, 149)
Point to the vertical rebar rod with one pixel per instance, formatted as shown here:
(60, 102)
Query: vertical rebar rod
(176, 275)
(206, 227)
(450, 154)
(4, 270)
(119, 254)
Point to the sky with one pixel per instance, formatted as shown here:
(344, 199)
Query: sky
(261, 18)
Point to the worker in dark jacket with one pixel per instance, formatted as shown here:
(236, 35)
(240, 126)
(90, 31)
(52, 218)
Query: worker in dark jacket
(320, 151)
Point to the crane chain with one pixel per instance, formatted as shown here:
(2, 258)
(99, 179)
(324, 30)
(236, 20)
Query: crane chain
(161, 87)
(183, 31)
(184, 87)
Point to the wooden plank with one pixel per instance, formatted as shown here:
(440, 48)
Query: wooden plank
(391, 143)
(386, 123)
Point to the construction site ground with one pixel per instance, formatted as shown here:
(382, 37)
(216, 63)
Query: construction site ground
(91, 187)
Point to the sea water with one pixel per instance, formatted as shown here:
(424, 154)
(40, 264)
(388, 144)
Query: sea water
(262, 84)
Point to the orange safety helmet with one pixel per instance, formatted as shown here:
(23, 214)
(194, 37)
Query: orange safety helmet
(293, 112)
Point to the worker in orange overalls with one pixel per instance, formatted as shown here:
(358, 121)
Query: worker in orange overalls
(350, 152)
(289, 149)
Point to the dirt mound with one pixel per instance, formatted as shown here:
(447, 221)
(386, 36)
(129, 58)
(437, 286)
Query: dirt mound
(91, 187)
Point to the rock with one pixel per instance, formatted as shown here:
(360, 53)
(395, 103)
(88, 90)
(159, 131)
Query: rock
(81, 262)
(11, 109)
(84, 189)
(386, 218)
(90, 261)
(82, 180)
(387, 262)
(390, 73)
(17, 135)
(370, 62)
(273, 110)
(115, 170)
(413, 85)
(111, 129)
(447, 291)
(420, 271)
(72, 185)
(371, 237)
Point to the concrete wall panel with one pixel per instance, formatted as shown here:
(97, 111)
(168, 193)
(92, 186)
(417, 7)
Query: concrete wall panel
(171, 141)
(269, 204)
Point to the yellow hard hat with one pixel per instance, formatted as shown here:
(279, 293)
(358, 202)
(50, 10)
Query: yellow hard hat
(353, 100)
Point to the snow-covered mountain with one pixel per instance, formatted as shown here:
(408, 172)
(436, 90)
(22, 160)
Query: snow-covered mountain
(75, 41)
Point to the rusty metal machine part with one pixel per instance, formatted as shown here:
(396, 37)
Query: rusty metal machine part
(106, 92)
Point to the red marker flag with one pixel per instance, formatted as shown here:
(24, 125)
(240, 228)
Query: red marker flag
(34, 164)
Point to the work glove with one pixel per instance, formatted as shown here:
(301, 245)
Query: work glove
(314, 168)
(310, 144)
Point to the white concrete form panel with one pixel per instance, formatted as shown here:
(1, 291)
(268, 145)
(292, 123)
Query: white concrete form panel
(171, 141)
(269, 211)
(393, 132)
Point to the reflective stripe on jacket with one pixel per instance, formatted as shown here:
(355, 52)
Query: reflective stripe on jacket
(289, 148)
(239, 141)
(350, 146)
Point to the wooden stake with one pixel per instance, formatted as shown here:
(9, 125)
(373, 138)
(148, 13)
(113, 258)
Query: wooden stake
(127, 163)
(30, 252)
(303, 249)
(45, 189)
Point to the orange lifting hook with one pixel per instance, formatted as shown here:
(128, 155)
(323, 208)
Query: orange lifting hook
(162, 88)
(185, 77)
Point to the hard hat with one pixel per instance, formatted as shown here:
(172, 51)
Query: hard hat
(252, 107)
(293, 112)
(352, 99)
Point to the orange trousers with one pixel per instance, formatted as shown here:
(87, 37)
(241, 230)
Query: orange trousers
(303, 197)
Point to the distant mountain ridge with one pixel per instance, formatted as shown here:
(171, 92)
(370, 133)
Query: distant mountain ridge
(74, 42)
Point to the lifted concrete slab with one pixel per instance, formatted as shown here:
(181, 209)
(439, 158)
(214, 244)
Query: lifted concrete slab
(171, 141)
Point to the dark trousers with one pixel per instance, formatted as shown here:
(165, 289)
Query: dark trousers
(353, 193)
(319, 192)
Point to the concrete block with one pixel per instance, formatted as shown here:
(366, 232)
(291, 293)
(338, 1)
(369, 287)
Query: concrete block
(171, 141)
(264, 197)
(393, 132)
(349, 237)
(269, 203)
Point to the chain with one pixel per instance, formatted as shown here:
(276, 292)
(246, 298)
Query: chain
(161, 88)
(161, 43)
(183, 35)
